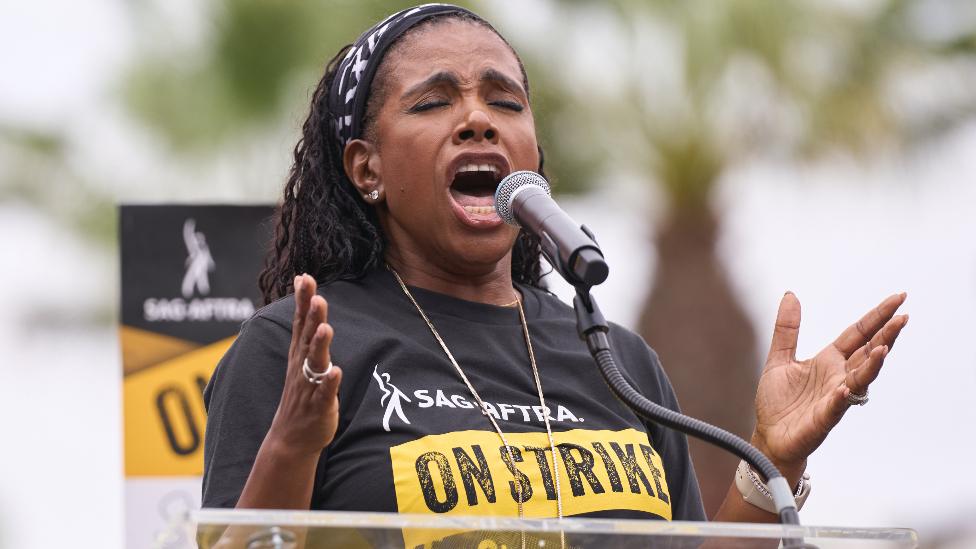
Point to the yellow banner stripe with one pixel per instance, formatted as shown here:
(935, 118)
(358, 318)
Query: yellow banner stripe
(142, 349)
(164, 414)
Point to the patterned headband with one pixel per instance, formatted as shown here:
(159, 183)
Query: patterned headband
(350, 87)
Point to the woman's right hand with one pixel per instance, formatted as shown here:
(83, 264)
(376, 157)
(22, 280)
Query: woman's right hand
(308, 413)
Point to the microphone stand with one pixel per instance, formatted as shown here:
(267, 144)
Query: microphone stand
(593, 328)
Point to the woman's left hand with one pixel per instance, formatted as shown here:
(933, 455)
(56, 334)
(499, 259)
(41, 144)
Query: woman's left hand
(799, 401)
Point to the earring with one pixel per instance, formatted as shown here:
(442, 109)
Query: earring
(371, 195)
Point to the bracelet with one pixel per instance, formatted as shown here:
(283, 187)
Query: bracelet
(755, 492)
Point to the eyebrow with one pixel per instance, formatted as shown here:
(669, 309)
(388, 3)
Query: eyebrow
(447, 77)
(442, 77)
(492, 75)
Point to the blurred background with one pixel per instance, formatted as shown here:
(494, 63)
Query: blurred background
(723, 152)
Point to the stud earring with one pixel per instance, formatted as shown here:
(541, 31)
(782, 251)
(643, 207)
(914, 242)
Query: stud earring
(371, 195)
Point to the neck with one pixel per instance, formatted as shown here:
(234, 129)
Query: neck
(491, 285)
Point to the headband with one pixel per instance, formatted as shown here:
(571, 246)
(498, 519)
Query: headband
(349, 91)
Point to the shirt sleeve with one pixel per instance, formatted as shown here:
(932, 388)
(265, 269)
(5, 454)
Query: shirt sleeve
(241, 400)
(686, 503)
(643, 368)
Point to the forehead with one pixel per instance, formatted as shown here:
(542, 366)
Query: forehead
(462, 47)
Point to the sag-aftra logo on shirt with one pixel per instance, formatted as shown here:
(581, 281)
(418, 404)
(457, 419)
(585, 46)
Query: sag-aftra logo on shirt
(394, 400)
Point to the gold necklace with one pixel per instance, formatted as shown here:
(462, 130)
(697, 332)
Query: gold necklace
(481, 404)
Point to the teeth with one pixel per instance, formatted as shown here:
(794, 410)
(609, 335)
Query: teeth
(481, 210)
(477, 168)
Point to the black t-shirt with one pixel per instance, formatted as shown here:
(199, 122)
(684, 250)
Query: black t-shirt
(411, 437)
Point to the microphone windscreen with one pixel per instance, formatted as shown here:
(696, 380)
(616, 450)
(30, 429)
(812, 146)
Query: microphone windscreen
(506, 191)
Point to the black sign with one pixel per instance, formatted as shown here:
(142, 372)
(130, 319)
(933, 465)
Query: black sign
(191, 271)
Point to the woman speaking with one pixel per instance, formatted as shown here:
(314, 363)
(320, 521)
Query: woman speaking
(463, 385)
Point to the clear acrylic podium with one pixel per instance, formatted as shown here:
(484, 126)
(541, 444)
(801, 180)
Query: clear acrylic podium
(226, 529)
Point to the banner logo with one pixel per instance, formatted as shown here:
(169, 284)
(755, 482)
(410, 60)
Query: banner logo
(391, 398)
(199, 262)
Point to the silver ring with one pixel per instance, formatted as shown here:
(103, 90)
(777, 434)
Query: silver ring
(312, 376)
(855, 399)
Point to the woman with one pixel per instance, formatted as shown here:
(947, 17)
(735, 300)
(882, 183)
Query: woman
(466, 388)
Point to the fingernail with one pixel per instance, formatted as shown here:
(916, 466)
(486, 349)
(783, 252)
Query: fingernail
(297, 281)
(788, 292)
(884, 353)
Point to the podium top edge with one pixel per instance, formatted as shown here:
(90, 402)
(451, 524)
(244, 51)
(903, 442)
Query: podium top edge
(352, 519)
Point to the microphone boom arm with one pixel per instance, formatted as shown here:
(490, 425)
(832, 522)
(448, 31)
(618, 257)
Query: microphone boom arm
(593, 329)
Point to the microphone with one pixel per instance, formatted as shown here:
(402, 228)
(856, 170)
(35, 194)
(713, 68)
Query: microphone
(523, 199)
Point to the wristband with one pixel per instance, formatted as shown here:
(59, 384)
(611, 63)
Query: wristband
(755, 492)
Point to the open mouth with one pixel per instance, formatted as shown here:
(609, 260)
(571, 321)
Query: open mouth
(473, 187)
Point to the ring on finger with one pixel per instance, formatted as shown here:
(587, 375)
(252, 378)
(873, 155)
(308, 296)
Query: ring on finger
(857, 399)
(315, 377)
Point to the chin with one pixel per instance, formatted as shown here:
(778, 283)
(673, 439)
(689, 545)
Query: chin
(484, 253)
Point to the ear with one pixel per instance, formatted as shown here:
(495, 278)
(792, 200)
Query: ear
(362, 163)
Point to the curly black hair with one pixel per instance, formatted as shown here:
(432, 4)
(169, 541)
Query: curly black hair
(322, 226)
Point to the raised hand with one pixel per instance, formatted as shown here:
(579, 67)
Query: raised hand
(307, 416)
(308, 413)
(799, 402)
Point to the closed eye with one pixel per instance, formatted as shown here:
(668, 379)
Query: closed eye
(428, 105)
(511, 105)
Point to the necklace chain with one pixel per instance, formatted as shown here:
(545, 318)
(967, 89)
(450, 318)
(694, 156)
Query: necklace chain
(481, 404)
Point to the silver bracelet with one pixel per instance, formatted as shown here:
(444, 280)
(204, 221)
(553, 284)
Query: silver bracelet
(755, 492)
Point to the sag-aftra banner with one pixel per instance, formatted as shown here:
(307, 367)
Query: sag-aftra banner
(189, 278)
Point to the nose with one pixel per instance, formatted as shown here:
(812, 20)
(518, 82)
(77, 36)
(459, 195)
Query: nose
(476, 126)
